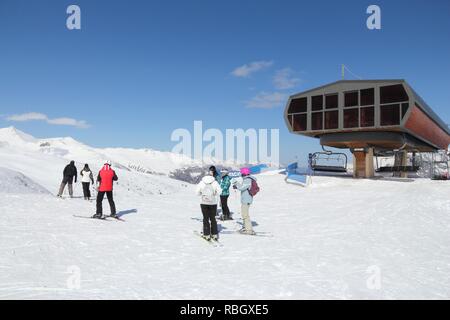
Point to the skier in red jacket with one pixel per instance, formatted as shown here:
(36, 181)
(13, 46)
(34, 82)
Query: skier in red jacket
(105, 178)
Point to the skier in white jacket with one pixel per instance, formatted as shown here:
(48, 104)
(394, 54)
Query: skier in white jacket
(86, 179)
(209, 190)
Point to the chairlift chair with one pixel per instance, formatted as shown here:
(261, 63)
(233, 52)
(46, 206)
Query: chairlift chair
(328, 161)
(396, 167)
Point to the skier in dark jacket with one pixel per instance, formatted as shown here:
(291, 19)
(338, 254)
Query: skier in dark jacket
(105, 178)
(69, 173)
(215, 174)
(225, 186)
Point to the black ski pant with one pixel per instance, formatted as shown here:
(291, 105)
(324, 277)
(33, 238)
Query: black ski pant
(86, 189)
(209, 219)
(224, 205)
(109, 195)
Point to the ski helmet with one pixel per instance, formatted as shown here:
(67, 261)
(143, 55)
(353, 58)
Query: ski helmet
(245, 171)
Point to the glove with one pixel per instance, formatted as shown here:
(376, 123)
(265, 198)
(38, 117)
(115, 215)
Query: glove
(234, 187)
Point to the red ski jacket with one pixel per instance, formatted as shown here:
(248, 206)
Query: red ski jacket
(106, 176)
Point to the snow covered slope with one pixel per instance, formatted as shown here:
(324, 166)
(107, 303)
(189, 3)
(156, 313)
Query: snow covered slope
(335, 239)
(17, 183)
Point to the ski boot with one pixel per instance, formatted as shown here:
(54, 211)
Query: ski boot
(207, 238)
(97, 216)
(247, 232)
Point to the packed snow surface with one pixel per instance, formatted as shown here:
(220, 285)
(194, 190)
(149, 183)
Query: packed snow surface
(337, 239)
(17, 183)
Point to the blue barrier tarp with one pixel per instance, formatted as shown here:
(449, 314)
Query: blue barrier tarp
(258, 168)
(253, 170)
(302, 179)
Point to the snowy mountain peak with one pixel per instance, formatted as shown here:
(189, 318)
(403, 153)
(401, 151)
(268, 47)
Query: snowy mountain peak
(145, 161)
(14, 135)
(65, 141)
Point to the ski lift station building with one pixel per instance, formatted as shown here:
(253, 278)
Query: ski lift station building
(368, 117)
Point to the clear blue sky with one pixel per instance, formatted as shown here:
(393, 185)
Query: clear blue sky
(139, 69)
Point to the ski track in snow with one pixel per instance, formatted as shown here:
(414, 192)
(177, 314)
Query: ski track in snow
(324, 242)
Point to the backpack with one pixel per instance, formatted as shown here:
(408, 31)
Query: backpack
(254, 188)
(208, 193)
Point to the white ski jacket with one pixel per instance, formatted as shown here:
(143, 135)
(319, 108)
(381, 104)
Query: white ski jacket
(209, 190)
(86, 176)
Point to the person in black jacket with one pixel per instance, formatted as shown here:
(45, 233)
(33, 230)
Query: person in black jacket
(69, 173)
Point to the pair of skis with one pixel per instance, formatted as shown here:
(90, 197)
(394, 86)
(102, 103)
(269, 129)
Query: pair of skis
(256, 234)
(214, 243)
(104, 218)
(217, 243)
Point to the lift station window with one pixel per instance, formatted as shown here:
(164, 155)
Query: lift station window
(297, 114)
(391, 110)
(393, 94)
(367, 117)
(390, 115)
(331, 101)
(351, 99)
(351, 118)
(298, 105)
(299, 122)
(317, 121)
(332, 119)
(367, 97)
(317, 103)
